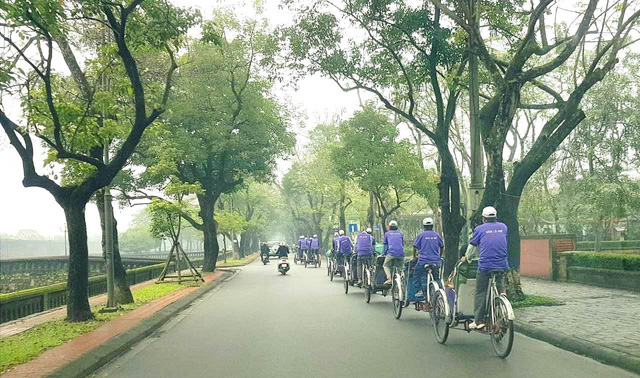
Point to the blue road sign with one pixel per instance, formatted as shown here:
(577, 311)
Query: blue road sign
(353, 227)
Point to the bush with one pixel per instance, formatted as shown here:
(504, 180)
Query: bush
(608, 244)
(613, 261)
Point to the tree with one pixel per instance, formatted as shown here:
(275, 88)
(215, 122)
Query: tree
(404, 56)
(255, 202)
(371, 155)
(31, 33)
(137, 238)
(225, 124)
(529, 61)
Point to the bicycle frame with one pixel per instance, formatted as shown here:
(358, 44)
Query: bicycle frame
(492, 294)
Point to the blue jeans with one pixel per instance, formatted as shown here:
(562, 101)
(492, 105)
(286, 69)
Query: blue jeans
(420, 272)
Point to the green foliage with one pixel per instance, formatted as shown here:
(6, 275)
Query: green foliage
(224, 125)
(386, 51)
(613, 261)
(138, 238)
(231, 222)
(371, 156)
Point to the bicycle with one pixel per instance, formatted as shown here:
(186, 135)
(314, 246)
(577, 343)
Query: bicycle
(499, 318)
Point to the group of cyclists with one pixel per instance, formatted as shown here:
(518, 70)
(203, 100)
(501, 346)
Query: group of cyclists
(488, 245)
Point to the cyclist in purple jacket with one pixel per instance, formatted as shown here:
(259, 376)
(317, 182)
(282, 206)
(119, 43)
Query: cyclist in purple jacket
(344, 247)
(491, 239)
(427, 246)
(365, 243)
(315, 246)
(393, 248)
(302, 247)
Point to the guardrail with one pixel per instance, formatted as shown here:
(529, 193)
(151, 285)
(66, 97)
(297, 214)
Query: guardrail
(160, 255)
(23, 303)
(57, 263)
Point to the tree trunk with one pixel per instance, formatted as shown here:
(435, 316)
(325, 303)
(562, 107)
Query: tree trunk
(122, 291)
(343, 217)
(207, 202)
(450, 205)
(244, 243)
(371, 211)
(78, 309)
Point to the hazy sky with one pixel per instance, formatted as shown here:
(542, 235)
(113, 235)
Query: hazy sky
(35, 208)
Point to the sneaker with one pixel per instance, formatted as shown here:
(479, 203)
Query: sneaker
(359, 283)
(478, 325)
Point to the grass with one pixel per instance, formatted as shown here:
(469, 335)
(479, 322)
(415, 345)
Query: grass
(236, 261)
(535, 300)
(28, 345)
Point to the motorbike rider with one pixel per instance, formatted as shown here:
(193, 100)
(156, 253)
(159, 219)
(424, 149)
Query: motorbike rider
(344, 247)
(491, 239)
(427, 248)
(365, 243)
(283, 250)
(264, 251)
(393, 249)
(315, 247)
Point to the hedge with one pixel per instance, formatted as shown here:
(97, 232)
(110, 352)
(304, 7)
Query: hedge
(608, 244)
(614, 261)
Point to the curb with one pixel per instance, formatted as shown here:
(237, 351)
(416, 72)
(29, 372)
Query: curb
(586, 348)
(238, 265)
(94, 359)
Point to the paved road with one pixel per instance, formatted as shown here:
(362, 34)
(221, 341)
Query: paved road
(262, 324)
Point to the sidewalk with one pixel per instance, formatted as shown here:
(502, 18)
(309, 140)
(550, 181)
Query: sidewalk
(76, 349)
(599, 319)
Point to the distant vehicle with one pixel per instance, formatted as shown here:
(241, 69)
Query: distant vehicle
(283, 266)
(273, 247)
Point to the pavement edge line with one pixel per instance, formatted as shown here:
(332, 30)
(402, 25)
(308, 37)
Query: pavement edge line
(579, 346)
(99, 356)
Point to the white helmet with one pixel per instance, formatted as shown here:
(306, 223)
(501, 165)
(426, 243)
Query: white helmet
(369, 230)
(427, 222)
(489, 212)
(341, 232)
(315, 236)
(301, 236)
(336, 234)
(281, 243)
(393, 224)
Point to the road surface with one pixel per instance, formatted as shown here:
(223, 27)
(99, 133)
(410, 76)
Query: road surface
(263, 324)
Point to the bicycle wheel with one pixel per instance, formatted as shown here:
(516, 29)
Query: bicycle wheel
(331, 274)
(502, 330)
(439, 317)
(405, 282)
(396, 300)
(346, 284)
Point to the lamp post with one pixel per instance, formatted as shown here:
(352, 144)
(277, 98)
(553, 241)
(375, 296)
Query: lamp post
(476, 189)
(108, 237)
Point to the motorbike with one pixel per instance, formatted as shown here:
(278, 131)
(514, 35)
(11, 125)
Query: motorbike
(283, 265)
(264, 258)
